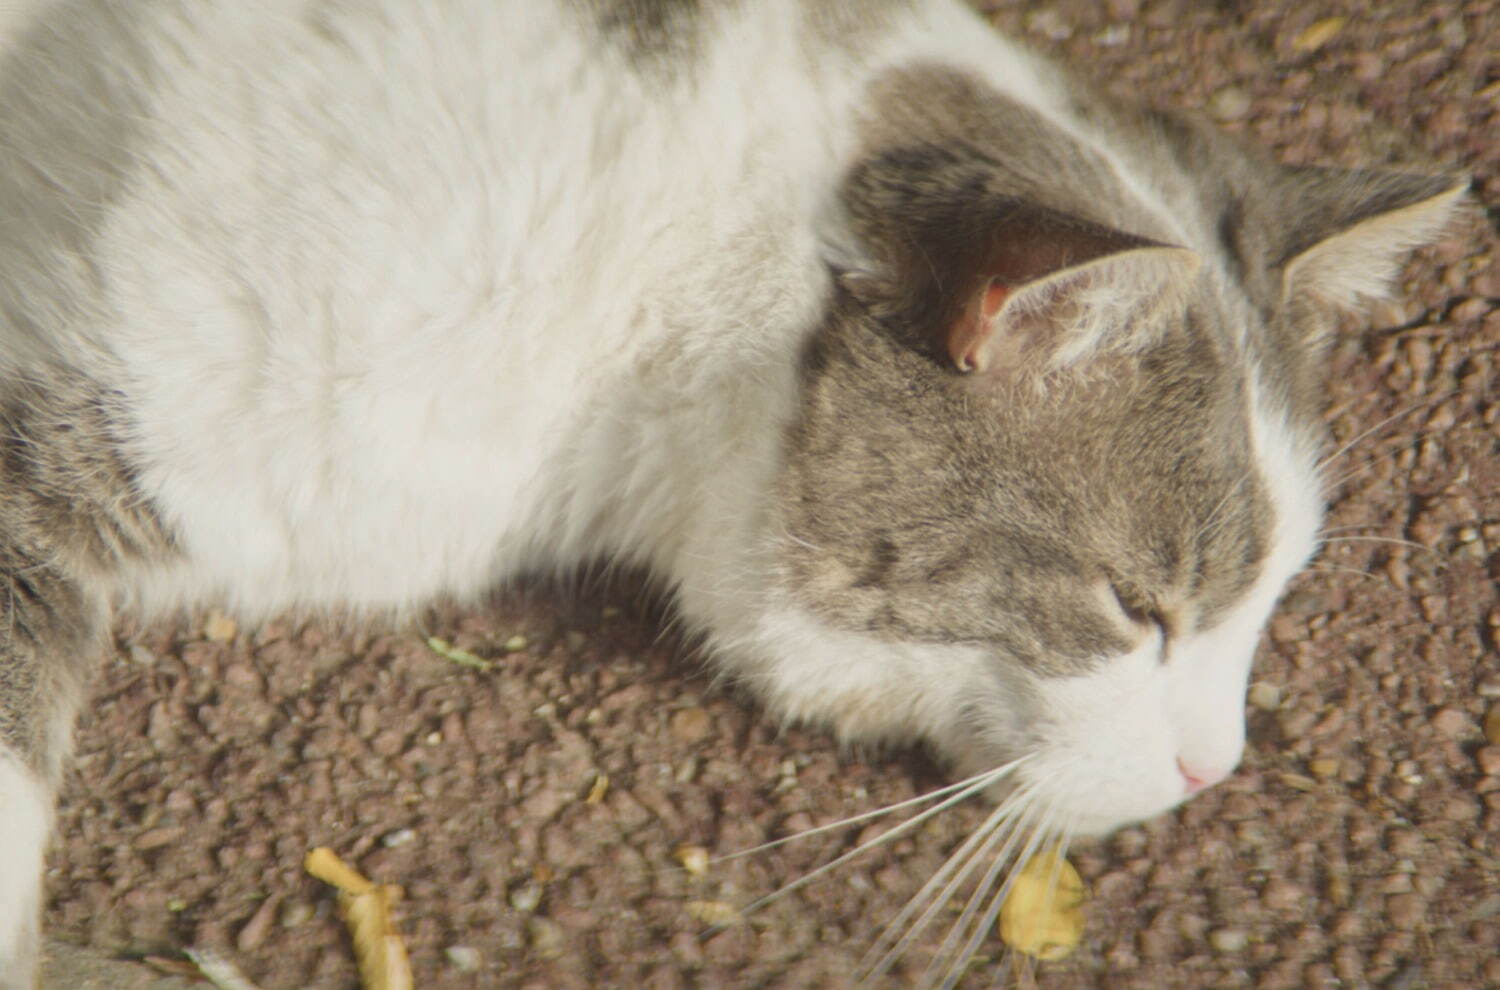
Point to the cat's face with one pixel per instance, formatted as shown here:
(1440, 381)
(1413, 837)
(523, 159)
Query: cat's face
(1085, 565)
(1050, 476)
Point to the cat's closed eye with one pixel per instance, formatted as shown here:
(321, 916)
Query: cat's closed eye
(1144, 612)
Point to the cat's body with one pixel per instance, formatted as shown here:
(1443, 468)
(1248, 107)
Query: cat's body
(952, 403)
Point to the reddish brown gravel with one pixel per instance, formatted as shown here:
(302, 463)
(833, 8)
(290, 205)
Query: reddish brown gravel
(1358, 846)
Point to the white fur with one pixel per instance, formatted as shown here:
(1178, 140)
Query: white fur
(429, 371)
(25, 823)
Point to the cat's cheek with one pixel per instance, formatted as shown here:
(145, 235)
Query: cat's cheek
(869, 690)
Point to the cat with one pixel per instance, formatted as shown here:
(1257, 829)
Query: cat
(954, 402)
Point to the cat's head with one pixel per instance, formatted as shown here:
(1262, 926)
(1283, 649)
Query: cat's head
(1050, 475)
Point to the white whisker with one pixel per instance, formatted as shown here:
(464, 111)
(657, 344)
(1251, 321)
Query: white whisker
(1344, 529)
(1329, 540)
(1332, 569)
(983, 781)
(998, 902)
(979, 782)
(1064, 839)
(1330, 486)
(929, 900)
(1039, 833)
(1384, 422)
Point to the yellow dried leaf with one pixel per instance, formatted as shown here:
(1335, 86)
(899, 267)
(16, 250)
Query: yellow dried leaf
(720, 914)
(600, 788)
(366, 909)
(1318, 34)
(1043, 914)
(381, 953)
(694, 859)
(325, 864)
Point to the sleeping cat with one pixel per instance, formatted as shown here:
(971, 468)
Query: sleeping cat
(956, 403)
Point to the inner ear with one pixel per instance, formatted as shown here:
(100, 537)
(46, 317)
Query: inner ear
(967, 335)
(1059, 317)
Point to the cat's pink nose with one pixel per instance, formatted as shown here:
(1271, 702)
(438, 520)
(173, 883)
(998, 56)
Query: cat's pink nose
(1197, 778)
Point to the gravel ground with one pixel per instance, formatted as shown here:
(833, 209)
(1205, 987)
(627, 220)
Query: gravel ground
(1359, 845)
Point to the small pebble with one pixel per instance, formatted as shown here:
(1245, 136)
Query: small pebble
(1281, 895)
(1296, 723)
(254, 933)
(1265, 696)
(1115, 34)
(691, 725)
(1488, 759)
(1460, 809)
(296, 914)
(465, 958)
(1318, 34)
(1469, 309)
(400, 837)
(716, 913)
(1298, 782)
(1451, 722)
(694, 859)
(547, 938)
(1049, 24)
(1229, 103)
(1228, 940)
(516, 644)
(1405, 911)
(1492, 726)
(526, 897)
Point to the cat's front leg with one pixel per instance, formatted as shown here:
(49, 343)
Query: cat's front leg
(25, 823)
(50, 630)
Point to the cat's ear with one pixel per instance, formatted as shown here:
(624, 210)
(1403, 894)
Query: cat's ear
(1351, 229)
(1051, 295)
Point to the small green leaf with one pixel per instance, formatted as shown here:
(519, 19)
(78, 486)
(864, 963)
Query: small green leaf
(457, 655)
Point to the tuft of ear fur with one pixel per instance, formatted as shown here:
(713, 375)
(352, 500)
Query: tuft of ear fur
(1356, 226)
(1057, 319)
